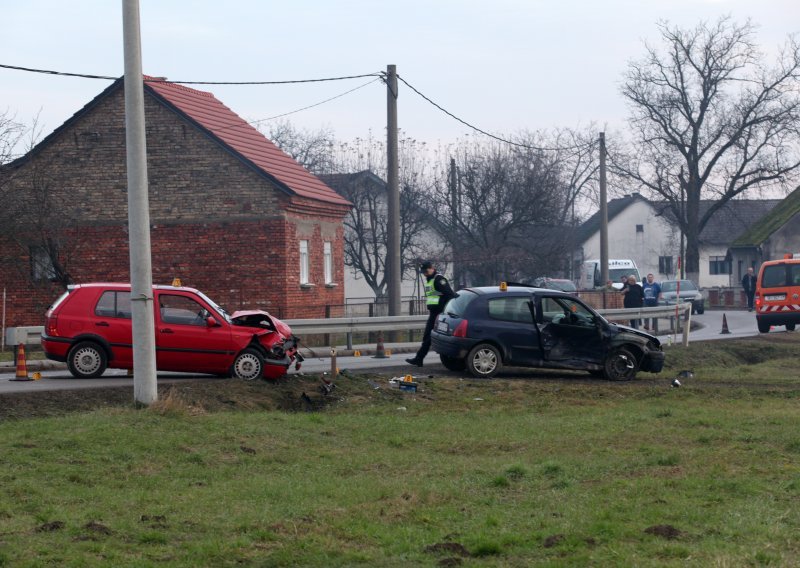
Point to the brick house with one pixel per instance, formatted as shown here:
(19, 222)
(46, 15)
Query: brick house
(230, 213)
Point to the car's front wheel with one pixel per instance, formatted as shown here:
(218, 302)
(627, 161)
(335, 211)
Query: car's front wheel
(620, 365)
(484, 361)
(763, 327)
(453, 363)
(248, 365)
(87, 360)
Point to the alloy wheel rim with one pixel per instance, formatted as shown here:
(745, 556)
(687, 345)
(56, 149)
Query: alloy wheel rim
(248, 367)
(622, 365)
(485, 361)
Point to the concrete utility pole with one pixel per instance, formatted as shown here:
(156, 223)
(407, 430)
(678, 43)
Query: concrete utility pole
(603, 213)
(393, 179)
(144, 343)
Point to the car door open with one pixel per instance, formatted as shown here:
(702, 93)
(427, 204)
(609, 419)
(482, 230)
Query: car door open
(568, 331)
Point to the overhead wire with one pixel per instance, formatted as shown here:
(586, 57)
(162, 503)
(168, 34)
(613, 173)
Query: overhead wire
(489, 134)
(163, 80)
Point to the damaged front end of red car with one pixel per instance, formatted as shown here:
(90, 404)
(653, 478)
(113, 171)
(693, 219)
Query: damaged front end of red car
(279, 345)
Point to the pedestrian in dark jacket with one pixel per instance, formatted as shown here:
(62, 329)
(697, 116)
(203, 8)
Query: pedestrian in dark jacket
(634, 297)
(749, 286)
(437, 293)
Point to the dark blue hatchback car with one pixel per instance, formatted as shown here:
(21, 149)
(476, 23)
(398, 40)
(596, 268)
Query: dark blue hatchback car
(485, 328)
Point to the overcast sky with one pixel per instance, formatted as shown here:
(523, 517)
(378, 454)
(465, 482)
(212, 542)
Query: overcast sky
(505, 65)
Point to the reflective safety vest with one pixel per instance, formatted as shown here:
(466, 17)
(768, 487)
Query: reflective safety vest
(432, 295)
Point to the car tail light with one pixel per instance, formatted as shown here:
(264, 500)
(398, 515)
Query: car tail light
(758, 300)
(52, 325)
(461, 329)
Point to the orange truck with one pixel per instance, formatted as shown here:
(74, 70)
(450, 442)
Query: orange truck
(777, 299)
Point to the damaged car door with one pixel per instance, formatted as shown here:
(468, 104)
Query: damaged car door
(569, 332)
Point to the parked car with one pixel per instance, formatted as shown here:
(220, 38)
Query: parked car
(89, 327)
(689, 293)
(777, 298)
(561, 284)
(485, 328)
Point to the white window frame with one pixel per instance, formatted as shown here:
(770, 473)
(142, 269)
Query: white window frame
(304, 264)
(328, 261)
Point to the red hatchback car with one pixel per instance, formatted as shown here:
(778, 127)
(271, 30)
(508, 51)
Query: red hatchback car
(89, 327)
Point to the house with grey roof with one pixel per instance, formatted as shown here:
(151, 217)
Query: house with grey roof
(769, 238)
(646, 232)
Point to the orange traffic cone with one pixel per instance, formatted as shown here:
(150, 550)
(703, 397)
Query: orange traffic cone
(380, 351)
(22, 365)
(725, 329)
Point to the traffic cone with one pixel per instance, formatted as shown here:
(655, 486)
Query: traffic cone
(725, 329)
(22, 365)
(380, 351)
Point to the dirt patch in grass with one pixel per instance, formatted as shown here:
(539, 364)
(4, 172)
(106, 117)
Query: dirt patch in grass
(664, 531)
(447, 548)
(553, 540)
(51, 526)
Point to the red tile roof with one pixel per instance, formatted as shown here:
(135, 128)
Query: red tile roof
(241, 137)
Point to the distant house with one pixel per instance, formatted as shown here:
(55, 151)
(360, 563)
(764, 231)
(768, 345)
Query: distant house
(369, 192)
(646, 232)
(775, 234)
(230, 213)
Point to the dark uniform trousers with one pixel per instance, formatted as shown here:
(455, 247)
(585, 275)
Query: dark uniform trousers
(426, 337)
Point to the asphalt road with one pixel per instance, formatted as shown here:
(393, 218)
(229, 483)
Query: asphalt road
(740, 324)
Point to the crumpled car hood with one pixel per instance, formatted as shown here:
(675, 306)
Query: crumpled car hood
(249, 318)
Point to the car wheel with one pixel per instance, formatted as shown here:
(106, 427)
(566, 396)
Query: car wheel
(248, 365)
(620, 365)
(701, 311)
(484, 361)
(763, 327)
(453, 363)
(87, 360)
(790, 327)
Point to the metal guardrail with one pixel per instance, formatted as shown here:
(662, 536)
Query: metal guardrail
(32, 334)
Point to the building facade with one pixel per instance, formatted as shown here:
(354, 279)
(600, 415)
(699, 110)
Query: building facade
(230, 213)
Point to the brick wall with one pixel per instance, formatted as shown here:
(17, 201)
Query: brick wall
(216, 223)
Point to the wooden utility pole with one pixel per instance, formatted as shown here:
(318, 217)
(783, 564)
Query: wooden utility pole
(454, 216)
(603, 213)
(392, 265)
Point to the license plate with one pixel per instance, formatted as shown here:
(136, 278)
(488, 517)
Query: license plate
(775, 297)
(442, 327)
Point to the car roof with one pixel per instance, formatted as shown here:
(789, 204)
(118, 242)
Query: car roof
(124, 286)
(495, 290)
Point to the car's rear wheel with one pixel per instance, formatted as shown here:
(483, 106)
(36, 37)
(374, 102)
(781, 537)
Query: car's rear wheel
(248, 365)
(453, 363)
(700, 310)
(87, 360)
(484, 361)
(763, 327)
(790, 327)
(620, 365)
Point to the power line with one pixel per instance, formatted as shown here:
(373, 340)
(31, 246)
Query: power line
(154, 80)
(254, 122)
(485, 133)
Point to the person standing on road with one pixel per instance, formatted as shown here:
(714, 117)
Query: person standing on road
(634, 297)
(437, 293)
(749, 285)
(652, 291)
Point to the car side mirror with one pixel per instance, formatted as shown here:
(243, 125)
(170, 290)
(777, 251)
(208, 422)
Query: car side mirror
(211, 322)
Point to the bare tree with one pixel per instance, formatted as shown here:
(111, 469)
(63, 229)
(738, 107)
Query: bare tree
(503, 213)
(313, 149)
(710, 120)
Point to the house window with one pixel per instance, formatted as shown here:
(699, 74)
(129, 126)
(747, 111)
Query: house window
(303, 262)
(665, 265)
(640, 228)
(41, 264)
(718, 265)
(328, 263)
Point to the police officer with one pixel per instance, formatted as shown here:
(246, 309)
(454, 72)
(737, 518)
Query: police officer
(437, 293)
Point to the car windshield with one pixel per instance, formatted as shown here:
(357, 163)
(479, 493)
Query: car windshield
(616, 274)
(458, 305)
(562, 285)
(216, 306)
(672, 286)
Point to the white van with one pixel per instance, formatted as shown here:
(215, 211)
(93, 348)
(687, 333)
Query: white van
(617, 268)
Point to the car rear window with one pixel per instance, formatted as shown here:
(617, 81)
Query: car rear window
(114, 304)
(779, 275)
(511, 308)
(458, 305)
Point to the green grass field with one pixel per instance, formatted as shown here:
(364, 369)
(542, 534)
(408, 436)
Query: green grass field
(509, 472)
